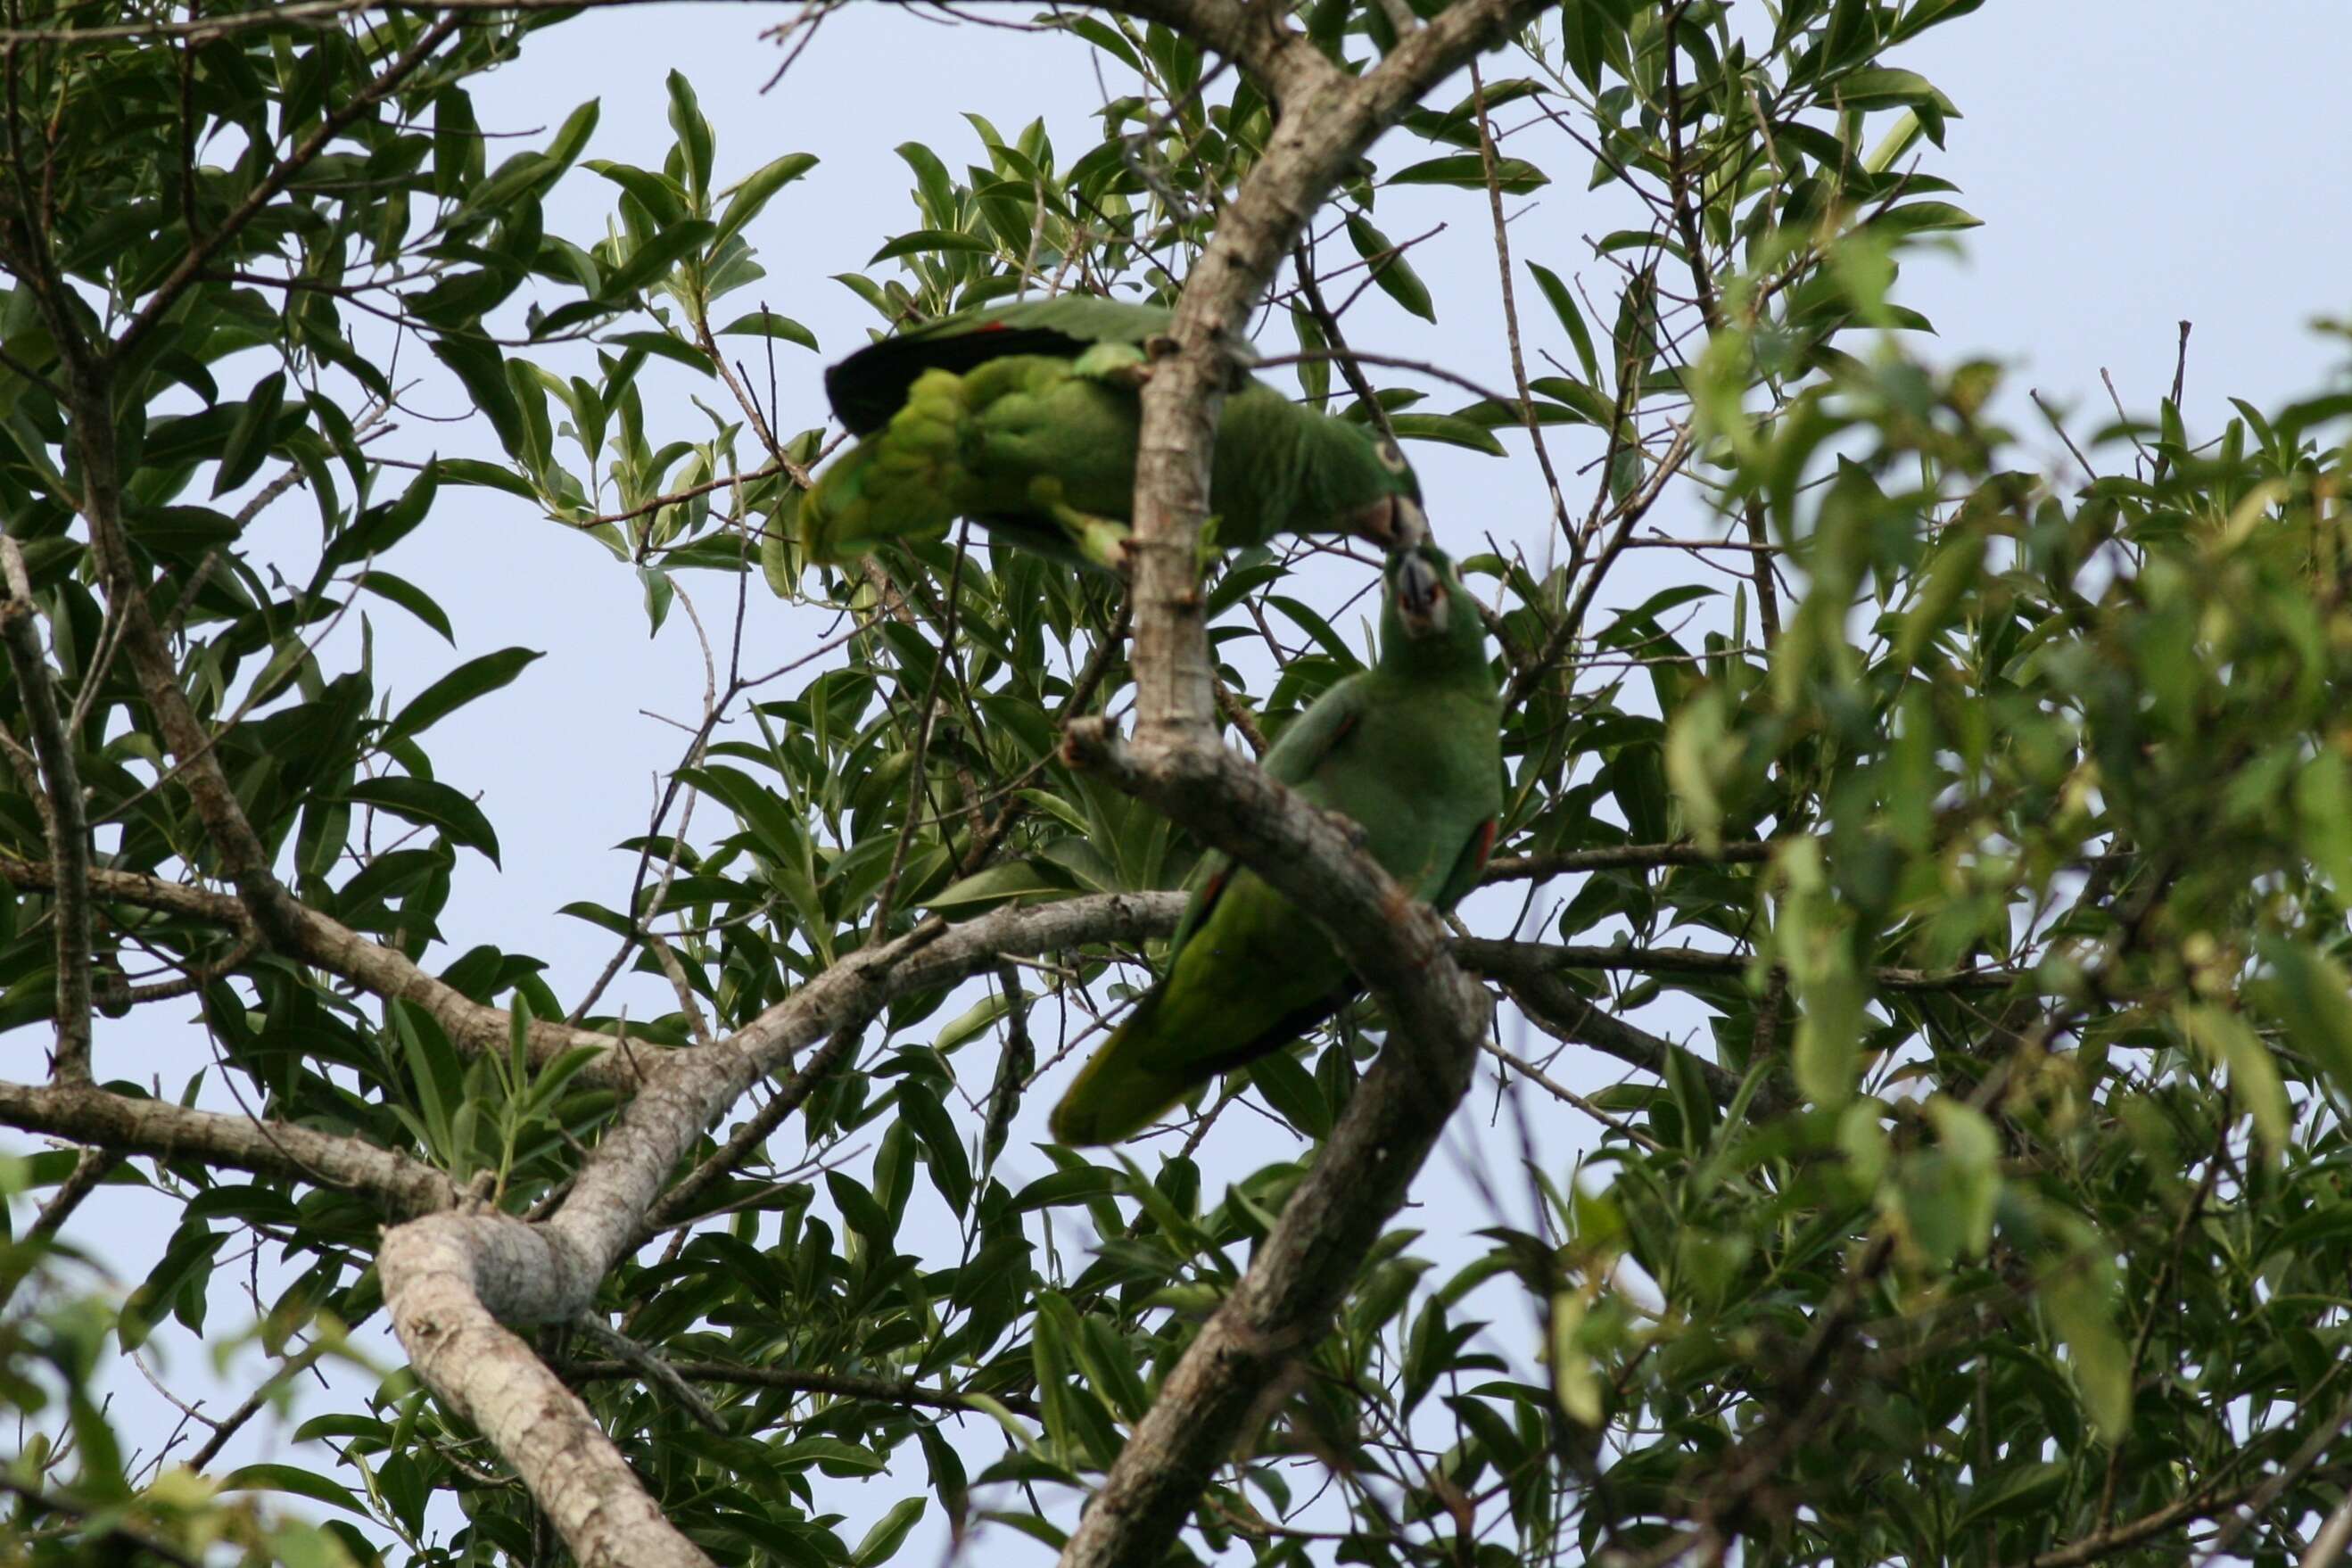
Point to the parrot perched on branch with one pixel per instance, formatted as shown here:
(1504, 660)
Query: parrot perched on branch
(1411, 750)
(1024, 417)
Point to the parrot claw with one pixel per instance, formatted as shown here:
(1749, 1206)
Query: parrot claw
(1114, 365)
(1354, 830)
(1098, 539)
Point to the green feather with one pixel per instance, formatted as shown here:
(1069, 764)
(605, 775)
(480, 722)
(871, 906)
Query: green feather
(1025, 417)
(1410, 751)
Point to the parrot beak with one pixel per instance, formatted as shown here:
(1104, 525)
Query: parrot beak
(1420, 597)
(1393, 522)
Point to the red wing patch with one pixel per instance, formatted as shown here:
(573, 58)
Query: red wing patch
(1347, 727)
(1486, 845)
(1211, 890)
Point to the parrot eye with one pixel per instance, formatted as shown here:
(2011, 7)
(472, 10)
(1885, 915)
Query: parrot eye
(1391, 458)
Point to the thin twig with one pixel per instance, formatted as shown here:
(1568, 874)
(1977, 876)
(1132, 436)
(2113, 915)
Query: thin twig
(1510, 300)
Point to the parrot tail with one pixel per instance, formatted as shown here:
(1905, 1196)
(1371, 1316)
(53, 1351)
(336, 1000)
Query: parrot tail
(1116, 1095)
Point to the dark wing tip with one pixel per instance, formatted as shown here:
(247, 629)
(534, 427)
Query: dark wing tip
(870, 385)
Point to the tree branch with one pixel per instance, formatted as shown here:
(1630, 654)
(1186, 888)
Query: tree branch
(450, 1279)
(1624, 857)
(164, 1130)
(841, 1385)
(93, 1167)
(1513, 960)
(68, 821)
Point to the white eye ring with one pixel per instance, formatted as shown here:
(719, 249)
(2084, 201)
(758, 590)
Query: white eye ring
(1391, 458)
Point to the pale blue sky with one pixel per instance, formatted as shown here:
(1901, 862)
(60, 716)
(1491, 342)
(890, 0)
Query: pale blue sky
(2136, 160)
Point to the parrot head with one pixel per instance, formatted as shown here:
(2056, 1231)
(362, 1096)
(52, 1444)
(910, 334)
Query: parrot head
(1428, 619)
(1393, 517)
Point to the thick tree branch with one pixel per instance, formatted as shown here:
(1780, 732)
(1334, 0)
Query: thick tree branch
(473, 1027)
(1285, 1301)
(164, 1130)
(451, 1279)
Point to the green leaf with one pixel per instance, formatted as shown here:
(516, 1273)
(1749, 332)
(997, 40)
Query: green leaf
(483, 370)
(951, 1165)
(1924, 218)
(409, 597)
(248, 440)
(693, 138)
(660, 197)
(573, 134)
(1882, 87)
(1449, 430)
(2080, 1310)
(2307, 992)
(1390, 268)
(832, 1456)
(475, 677)
(294, 1482)
(1513, 176)
(2228, 1040)
(655, 258)
(1065, 1187)
(1312, 622)
(925, 240)
(1291, 1090)
(752, 194)
(490, 476)
(432, 804)
(189, 1257)
(767, 324)
(662, 345)
(1562, 301)
(1003, 883)
(858, 1210)
(888, 1533)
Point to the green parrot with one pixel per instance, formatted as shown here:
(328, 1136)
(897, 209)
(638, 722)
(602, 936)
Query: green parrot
(1411, 750)
(1024, 417)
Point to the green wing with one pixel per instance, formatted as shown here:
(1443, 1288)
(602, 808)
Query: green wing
(1244, 973)
(1468, 866)
(1302, 747)
(871, 386)
(1025, 416)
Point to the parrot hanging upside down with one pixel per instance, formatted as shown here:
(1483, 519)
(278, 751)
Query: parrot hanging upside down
(1411, 750)
(1024, 417)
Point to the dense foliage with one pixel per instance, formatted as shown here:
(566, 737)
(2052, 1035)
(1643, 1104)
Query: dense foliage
(1981, 834)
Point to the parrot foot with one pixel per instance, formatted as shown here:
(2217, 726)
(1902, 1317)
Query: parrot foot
(1114, 365)
(1100, 540)
(1350, 826)
(1104, 543)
